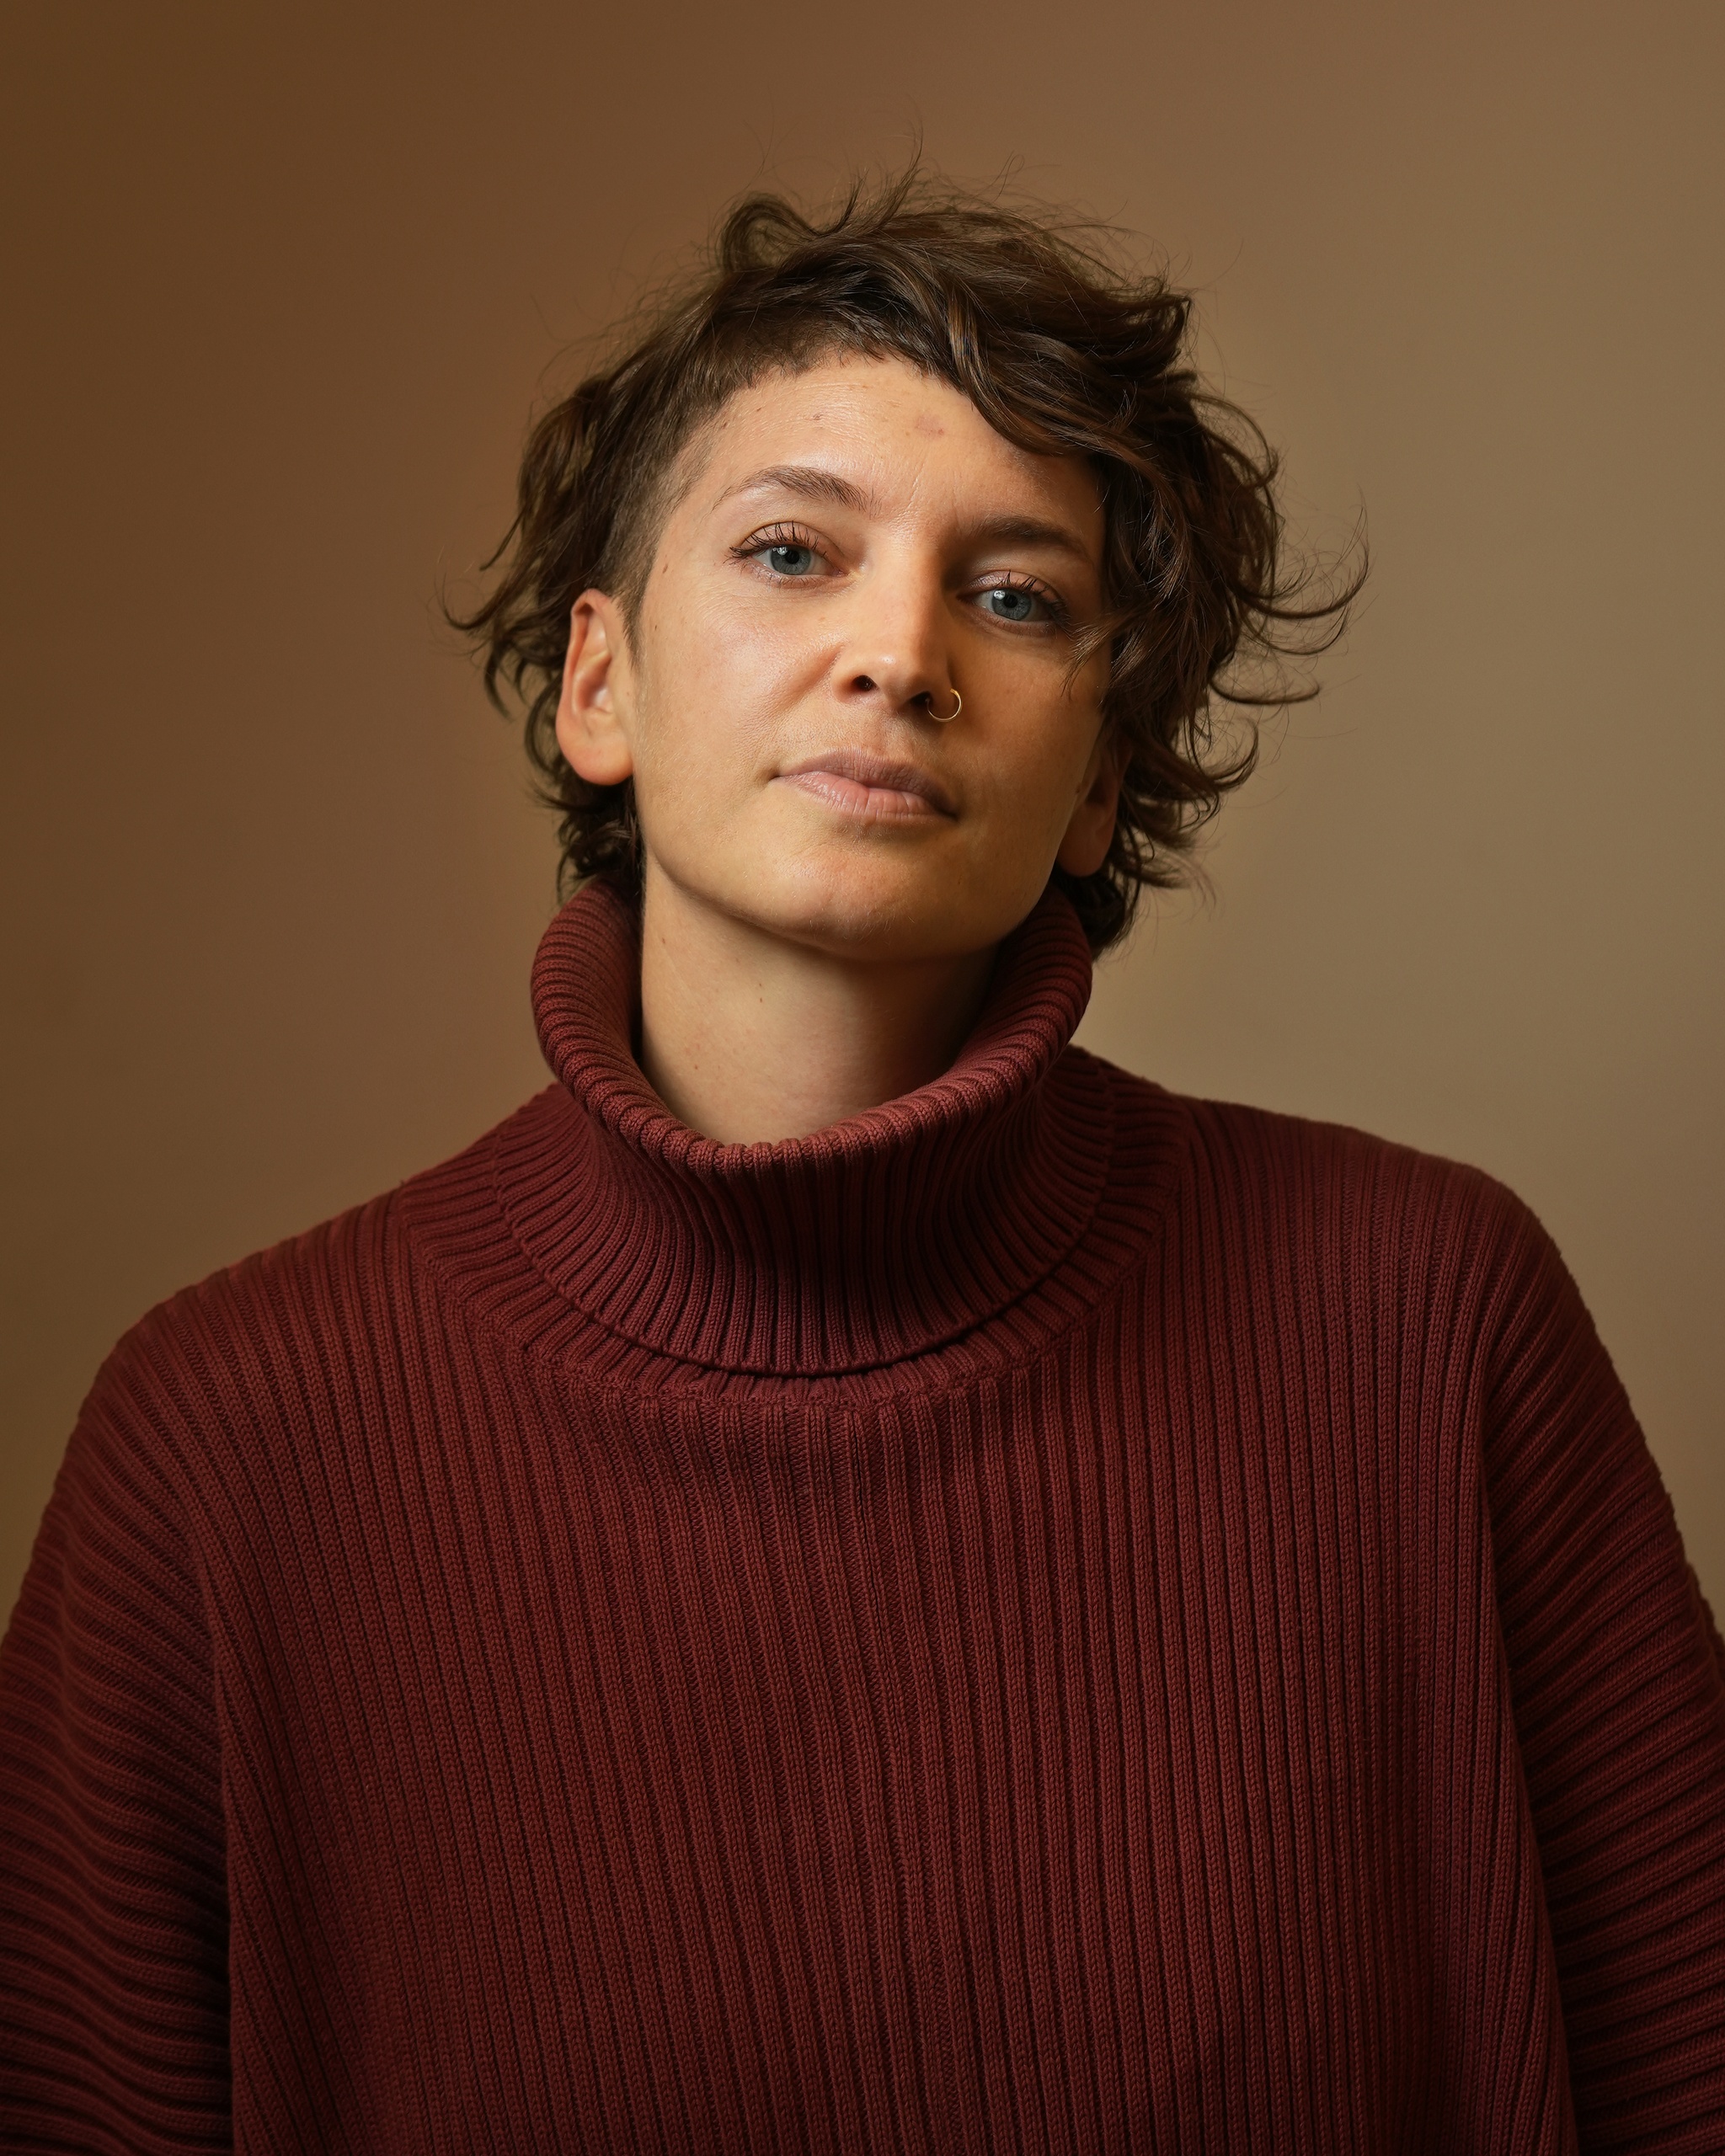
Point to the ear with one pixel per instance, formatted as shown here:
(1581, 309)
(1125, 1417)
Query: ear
(1091, 832)
(597, 702)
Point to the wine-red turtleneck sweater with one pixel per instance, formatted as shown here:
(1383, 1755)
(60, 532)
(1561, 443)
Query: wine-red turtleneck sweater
(1047, 1616)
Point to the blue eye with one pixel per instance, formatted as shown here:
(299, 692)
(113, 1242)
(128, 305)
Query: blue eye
(1011, 602)
(788, 559)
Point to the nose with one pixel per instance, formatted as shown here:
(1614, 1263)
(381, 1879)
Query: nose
(895, 654)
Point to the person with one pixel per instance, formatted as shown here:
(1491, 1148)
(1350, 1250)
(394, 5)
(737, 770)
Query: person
(853, 1576)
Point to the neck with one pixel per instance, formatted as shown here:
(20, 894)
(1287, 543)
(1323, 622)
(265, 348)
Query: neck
(747, 1037)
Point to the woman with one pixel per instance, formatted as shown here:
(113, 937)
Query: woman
(853, 1576)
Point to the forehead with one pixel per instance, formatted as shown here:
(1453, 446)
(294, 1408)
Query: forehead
(909, 442)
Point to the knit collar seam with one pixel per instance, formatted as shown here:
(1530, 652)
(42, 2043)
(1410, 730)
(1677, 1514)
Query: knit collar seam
(819, 1389)
(1081, 1228)
(1140, 1234)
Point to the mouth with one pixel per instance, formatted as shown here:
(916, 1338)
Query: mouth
(871, 786)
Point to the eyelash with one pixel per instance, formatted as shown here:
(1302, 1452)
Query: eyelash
(796, 535)
(779, 535)
(1013, 580)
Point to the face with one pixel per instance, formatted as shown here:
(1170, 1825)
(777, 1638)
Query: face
(853, 551)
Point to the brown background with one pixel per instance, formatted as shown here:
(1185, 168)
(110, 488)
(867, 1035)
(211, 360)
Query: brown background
(281, 284)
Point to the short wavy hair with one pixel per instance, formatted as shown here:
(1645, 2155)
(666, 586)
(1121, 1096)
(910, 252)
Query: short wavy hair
(1063, 352)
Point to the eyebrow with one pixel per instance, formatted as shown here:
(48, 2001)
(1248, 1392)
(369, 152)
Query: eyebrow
(1033, 531)
(808, 480)
(815, 483)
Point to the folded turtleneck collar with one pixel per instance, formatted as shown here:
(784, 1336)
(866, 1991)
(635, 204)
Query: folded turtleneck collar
(876, 1239)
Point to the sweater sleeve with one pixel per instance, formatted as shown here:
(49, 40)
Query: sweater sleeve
(113, 1880)
(1619, 1700)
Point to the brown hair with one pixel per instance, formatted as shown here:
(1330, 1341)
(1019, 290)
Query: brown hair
(1061, 351)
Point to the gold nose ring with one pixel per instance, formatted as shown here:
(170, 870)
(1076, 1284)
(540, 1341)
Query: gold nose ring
(942, 718)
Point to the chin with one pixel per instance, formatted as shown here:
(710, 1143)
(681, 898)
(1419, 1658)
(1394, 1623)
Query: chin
(875, 910)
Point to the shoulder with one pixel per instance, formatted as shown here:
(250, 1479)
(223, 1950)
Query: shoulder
(276, 1344)
(1310, 1237)
(203, 1373)
(1327, 1201)
(1261, 1158)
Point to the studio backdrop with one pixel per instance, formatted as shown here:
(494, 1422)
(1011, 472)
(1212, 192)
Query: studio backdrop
(283, 286)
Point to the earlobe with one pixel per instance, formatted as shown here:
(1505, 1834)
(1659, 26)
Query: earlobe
(1089, 834)
(591, 728)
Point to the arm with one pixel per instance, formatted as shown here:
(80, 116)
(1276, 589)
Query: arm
(112, 1879)
(1620, 1703)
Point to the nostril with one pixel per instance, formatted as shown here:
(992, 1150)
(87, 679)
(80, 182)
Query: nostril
(862, 681)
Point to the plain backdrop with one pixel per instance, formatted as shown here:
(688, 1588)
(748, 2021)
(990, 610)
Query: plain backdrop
(282, 287)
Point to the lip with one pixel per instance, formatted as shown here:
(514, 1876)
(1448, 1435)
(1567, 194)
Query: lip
(919, 794)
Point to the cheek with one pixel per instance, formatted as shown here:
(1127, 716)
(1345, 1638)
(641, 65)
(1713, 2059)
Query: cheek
(1039, 758)
(712, 688)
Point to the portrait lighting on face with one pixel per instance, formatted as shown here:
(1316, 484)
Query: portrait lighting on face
(905, 570)
(855, 555)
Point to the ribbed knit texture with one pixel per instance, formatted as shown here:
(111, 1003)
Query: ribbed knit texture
(1048, 1616)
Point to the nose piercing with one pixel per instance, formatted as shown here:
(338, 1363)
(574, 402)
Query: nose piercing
(942, 718)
